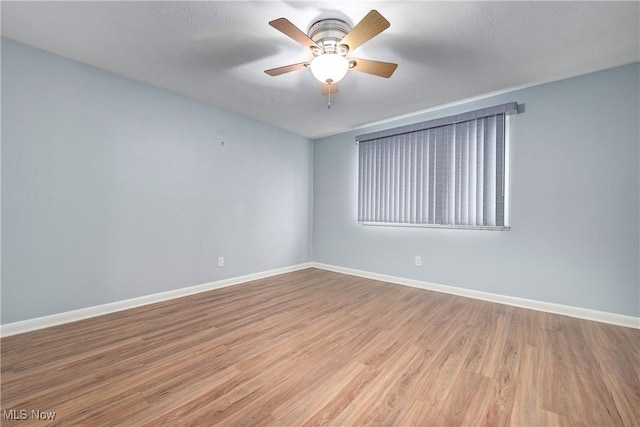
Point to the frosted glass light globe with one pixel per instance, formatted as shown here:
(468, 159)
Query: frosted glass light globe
(329, 67)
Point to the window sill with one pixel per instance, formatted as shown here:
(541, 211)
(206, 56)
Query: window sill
(457, 227)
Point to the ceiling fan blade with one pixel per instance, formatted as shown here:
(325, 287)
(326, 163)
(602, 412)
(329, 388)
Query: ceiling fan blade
(325, 88)
(369, 27)
(377, 68)
(286, 69)
(287, 28)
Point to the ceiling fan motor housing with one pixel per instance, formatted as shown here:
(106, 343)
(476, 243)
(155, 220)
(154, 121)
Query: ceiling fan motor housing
(327, 33)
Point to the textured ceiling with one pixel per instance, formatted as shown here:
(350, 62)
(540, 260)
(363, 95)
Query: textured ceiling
(216, 52)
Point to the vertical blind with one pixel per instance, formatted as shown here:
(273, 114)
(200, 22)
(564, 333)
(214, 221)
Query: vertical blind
(447, 171)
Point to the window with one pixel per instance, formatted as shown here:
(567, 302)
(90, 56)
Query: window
(447, 172)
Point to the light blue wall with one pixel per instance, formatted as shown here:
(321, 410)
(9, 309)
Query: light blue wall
(575, 212)
(112, 189)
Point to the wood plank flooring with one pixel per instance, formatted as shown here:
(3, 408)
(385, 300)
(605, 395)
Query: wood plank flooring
(314, 348)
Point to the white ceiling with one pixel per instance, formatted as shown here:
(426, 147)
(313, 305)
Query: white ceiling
(217, 51)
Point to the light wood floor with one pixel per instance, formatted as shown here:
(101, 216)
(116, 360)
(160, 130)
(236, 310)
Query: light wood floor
(315, 348)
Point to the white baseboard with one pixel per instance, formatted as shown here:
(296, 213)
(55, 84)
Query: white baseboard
(566, 310)
(98, 310)
(85, 313)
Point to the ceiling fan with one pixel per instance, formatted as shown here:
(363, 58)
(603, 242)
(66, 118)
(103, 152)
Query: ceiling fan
(330, 42)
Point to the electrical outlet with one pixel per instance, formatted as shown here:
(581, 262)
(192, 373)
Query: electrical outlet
(418, 261)
(220, 261)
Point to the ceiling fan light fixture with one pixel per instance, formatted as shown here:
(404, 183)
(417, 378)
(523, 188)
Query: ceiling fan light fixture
(329, 68)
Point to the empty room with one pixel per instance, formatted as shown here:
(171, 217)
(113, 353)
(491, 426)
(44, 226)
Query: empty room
(297, 213)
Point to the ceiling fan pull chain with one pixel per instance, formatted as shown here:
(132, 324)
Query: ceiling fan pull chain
(329, 102)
